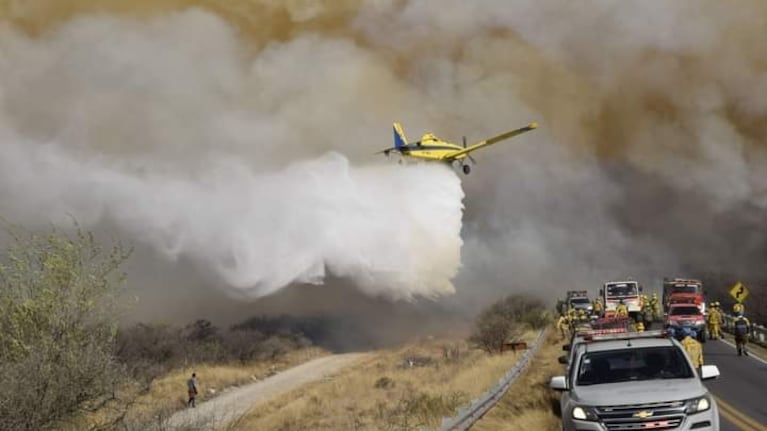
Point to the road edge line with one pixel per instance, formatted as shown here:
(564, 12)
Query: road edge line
(737, 417)
(750, 355)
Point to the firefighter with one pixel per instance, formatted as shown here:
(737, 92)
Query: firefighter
(572, 315)
(621, 311)
(692, 346)
(714, 320)
(647, 315)
(563, 324)
(597, 307)
(741, 327)
(655, 307)
(582, 316)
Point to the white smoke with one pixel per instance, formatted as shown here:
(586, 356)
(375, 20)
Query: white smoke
(648, 161)
(165, 130)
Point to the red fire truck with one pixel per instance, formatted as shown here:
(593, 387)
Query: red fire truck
(683, 291)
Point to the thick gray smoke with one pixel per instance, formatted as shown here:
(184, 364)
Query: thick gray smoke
(165, 131)
(649, 161)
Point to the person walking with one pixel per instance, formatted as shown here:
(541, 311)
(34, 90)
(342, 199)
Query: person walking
(191, 386)
(714, 321)
(742, 329)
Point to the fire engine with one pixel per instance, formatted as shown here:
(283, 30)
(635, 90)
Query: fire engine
(628, 291)
(683, 291)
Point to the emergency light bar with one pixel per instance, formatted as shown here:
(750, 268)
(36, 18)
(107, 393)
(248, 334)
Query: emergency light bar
(626, 335)
(592, 332)
(686, 280)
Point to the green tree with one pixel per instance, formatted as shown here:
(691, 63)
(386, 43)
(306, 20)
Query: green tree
(58, 308)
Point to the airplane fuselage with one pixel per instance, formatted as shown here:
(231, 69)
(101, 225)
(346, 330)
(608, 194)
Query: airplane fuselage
(431, 148)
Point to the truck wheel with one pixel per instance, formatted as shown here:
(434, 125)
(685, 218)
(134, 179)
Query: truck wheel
(702, 336)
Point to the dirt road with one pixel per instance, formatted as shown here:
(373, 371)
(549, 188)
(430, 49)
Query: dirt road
(233, 404)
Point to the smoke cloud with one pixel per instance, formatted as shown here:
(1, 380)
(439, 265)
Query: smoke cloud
(129, 130)
(649, 161)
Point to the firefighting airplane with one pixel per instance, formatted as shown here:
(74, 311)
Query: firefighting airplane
(430, 147)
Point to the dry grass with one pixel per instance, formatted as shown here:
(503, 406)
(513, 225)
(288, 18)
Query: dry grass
(167, 394)
(384, 393)
(530, 404)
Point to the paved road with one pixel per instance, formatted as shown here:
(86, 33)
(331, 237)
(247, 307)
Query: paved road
(232, 405)
(741, 389)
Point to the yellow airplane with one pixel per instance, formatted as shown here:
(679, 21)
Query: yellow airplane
(430, 147)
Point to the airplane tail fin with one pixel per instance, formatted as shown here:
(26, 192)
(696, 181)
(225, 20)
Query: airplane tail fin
(399, 136)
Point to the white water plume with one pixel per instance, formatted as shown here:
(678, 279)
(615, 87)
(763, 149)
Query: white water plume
(166, 131)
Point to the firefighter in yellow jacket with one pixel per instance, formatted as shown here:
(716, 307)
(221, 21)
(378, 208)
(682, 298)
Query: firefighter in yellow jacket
(582, 315)
(714, 320)
(621, 311)
(597, 307)
(693, 347)
(572, 315)
(563, 324)
(655, 307)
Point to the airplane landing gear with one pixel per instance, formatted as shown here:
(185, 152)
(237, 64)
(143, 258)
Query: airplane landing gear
(466, 169)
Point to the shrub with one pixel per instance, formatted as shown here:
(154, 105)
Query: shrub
(57, 327)
(506, 319)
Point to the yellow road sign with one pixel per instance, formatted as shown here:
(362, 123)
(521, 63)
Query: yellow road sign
(739, 292)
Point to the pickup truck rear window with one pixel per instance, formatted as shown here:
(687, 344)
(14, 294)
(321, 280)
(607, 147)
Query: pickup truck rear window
(633, 364)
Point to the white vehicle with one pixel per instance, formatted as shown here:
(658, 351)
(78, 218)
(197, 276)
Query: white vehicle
(634, 381)
(613, 292)
(579, 300)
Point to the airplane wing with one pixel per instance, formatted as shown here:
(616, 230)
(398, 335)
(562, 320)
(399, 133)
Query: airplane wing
(493, 140)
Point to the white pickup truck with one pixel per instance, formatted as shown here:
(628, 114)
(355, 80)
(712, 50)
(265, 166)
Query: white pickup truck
(634, 381)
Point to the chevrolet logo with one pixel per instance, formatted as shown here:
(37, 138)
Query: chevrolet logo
(643, 414)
